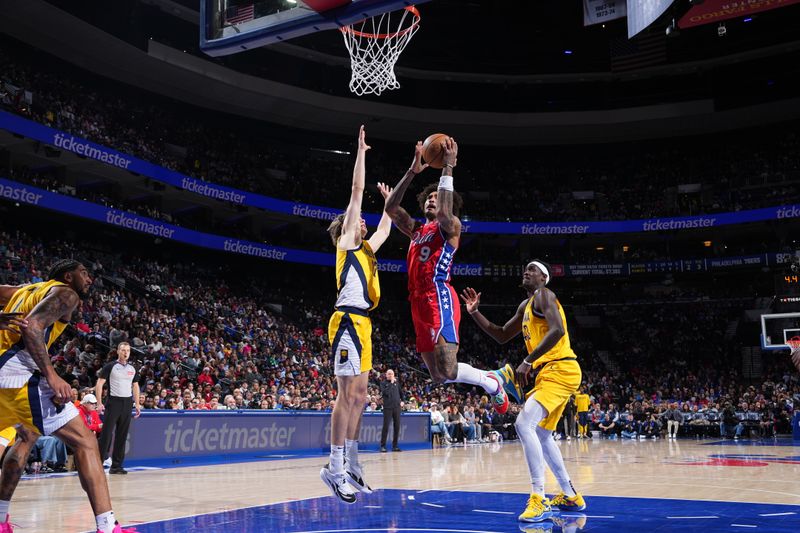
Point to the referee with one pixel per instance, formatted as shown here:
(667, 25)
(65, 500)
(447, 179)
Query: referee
(123, 394)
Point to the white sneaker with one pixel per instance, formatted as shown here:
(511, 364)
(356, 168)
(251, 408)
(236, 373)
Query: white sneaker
(107, 463)
(355, 477)
(337, 485)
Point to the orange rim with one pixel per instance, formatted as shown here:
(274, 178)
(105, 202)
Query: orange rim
(411, 9)
(794, 342)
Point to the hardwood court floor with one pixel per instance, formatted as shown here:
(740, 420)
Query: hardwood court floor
(679, 470)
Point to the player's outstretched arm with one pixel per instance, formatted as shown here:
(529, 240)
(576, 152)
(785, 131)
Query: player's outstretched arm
(57, 305)
(351, 227)
(400, 216)
(501, 334)
(385, 225)
(449, 223)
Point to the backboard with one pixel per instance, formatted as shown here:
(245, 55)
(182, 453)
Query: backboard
(776, 329)
(233, 26)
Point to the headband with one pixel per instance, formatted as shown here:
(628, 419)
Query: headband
(544, 271)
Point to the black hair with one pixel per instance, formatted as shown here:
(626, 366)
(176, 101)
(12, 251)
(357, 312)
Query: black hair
(61, 267)
(422, 198)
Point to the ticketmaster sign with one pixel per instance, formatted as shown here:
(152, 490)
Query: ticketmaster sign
(109, 156)
(162, 434)
(31, 195)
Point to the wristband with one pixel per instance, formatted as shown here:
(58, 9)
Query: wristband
(446, 183)
(525, 362)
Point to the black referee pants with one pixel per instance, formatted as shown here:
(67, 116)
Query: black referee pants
(116, 422)
(390, 416)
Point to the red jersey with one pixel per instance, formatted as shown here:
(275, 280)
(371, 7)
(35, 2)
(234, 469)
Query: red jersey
(430, 258)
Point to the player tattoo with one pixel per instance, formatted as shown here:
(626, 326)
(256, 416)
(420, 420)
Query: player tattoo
(57, 304)
(447, 360)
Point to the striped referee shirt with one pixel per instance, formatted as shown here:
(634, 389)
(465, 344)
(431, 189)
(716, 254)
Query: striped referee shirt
(120, 379)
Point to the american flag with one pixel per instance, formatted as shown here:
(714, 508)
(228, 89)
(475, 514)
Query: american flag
(239, 14)
(644, 50)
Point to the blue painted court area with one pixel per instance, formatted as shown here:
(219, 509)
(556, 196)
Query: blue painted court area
(397, 511)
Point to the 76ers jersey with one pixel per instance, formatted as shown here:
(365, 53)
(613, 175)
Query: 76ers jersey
(430, 258)
(434, 304)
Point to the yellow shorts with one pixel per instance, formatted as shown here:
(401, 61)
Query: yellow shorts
(555, 383)
(32, 406)
(350, 335)
(7, 437)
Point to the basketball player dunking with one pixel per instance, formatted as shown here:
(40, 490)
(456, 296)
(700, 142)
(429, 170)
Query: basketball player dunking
(541, 320)
(435, 309)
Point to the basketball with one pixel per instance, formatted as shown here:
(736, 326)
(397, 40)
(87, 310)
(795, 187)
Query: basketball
(433, 150)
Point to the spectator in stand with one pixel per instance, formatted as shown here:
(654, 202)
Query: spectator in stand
(437, 423)
(470, 427)
(454, 425)
(729, 421)
(596, 416)
(484, 420)
(88, 411)
(629, 427)
(650, 428)
(205, 378)
(608, 424)
(674, 419)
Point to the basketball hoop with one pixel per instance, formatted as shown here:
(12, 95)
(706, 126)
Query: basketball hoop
(794, 343)
(374, 45)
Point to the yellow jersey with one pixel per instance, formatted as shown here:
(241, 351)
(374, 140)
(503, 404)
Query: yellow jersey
(534, 328)
(7, 437)
(23, 301)
(582, 402)
(357, 278)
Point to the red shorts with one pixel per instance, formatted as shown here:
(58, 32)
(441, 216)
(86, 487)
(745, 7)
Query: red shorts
(435, 313)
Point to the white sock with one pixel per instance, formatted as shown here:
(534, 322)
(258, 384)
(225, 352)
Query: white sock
(473, 376)
(528, 419)
(4, 504)
(106, 522)
(351, 451)
(554, 459)
(337, 459)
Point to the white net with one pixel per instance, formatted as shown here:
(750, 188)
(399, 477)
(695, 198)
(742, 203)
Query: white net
(374, 45)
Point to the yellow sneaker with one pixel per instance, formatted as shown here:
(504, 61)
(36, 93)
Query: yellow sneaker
(573, 522)
(508, 380)
(565, 503)
(538, 509)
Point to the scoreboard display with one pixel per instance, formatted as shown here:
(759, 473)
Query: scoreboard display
(787, 284)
